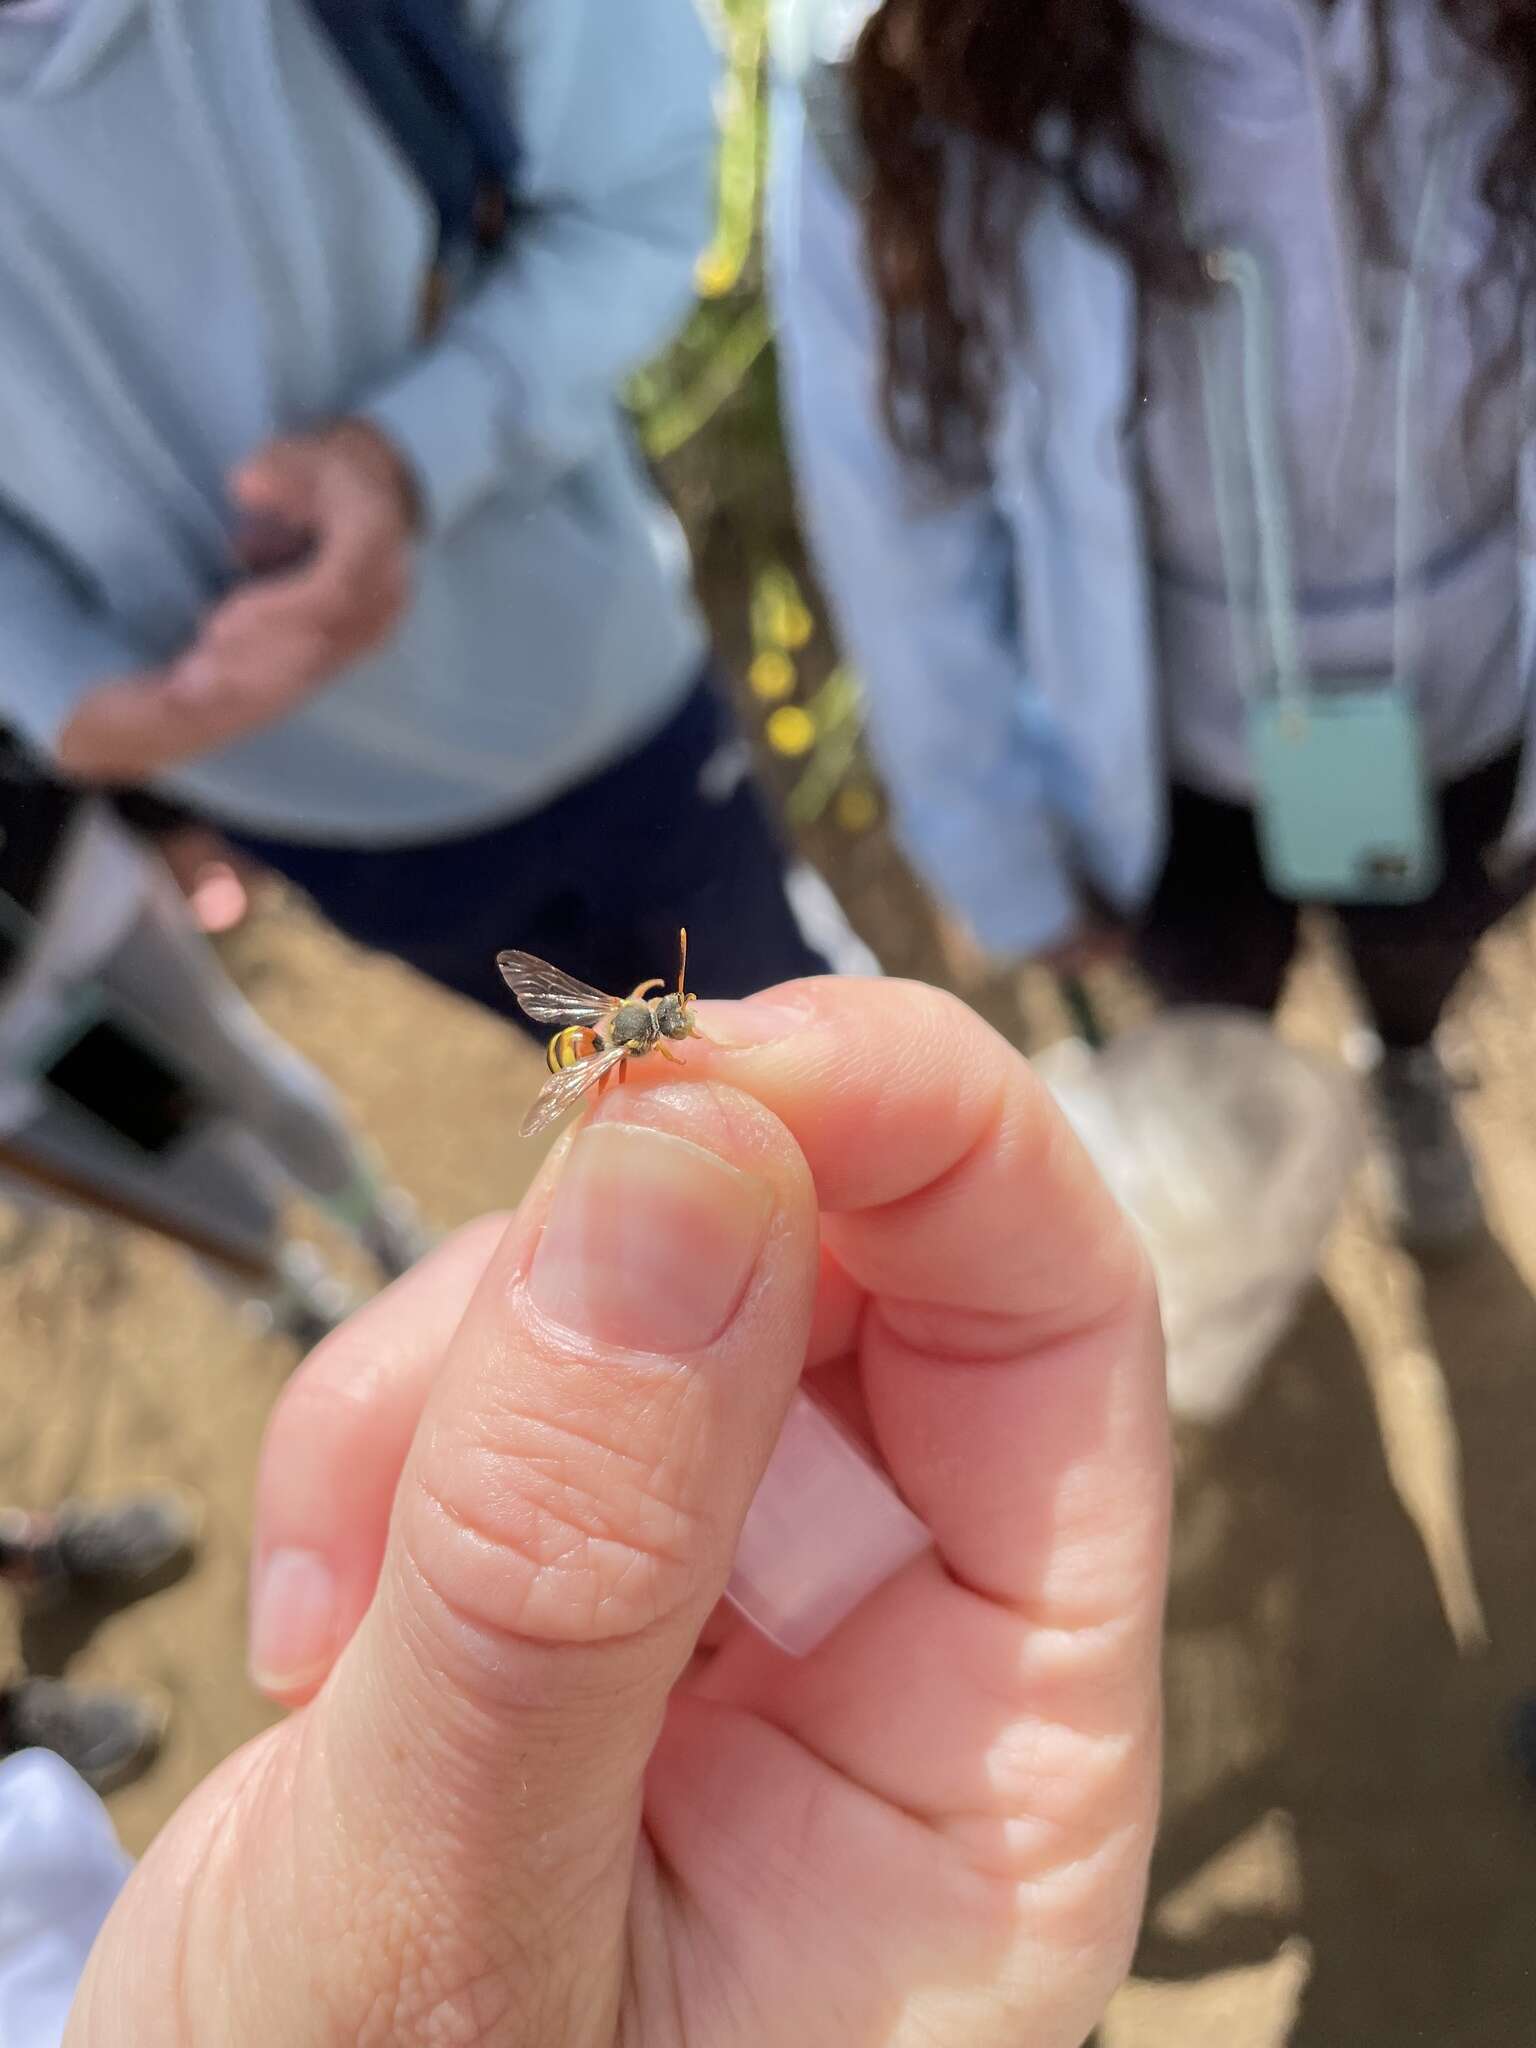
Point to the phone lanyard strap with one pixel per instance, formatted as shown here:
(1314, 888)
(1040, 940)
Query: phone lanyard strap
(1244, 273)
(1258, 408)
(1409, 544)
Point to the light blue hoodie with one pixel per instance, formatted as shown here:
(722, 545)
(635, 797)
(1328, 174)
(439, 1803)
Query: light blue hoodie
(205, 240)
(1042, 653)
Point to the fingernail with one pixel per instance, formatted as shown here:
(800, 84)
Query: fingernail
(758, 1021)
(825, 1529)
(650, 1240)
(293, 1621)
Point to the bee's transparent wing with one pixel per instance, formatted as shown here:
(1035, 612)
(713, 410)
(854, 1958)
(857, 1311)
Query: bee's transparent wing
(566, 1088)
(550, 997)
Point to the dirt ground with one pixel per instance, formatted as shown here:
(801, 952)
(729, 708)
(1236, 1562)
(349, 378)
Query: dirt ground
(1346, 1860)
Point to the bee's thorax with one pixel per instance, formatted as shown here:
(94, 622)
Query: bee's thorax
(633, 1025)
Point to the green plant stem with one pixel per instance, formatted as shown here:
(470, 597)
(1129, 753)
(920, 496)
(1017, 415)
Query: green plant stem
(677, 420)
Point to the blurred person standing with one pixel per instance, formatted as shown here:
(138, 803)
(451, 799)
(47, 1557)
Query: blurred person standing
(1155, 373)
(61, 1743)
(137, 1083)
(103, 1554)
(336, 534)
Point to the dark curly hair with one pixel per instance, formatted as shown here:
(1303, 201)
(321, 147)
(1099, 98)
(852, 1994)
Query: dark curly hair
(1048, 89)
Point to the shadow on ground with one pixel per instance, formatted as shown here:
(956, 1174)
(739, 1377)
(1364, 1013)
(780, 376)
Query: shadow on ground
(1342, 1820)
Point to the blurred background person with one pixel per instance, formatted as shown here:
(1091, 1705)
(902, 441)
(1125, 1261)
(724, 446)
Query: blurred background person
(324, 519)
(61, 1862)
(137, 1082)
(1157, 416)
(106, 1553)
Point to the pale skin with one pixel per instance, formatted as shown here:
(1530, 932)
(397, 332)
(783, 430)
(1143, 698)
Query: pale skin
(517, 1803)
(1096, 942)
(343, 497)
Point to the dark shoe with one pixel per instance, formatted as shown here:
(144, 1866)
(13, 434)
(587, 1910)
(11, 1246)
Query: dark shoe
(1432, 1181)
(108, 1737)
(126, 1546)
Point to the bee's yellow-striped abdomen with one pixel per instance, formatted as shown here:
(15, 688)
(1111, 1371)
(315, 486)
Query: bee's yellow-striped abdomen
(569, 1046)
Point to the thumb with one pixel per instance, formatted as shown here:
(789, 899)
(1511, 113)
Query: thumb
(280, 481)
(565, 1523)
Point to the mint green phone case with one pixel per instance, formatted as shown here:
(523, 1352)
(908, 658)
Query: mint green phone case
(1345, 812)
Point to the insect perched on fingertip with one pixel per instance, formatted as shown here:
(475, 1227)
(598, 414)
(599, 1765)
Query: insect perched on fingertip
(597, 1034)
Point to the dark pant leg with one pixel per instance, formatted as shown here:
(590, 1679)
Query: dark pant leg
(433, 906)
(1409, 957)
(695, 846)
(1214, 933)
(598, 882)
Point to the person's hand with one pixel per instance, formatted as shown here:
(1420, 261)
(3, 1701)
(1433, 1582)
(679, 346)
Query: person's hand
(1097, 942)
(521, 1805)
(338, 507)
(967, 962)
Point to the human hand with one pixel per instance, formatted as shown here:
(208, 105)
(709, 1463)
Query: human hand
(967, 962)
(1097, 942)
(349, 493)
(344, 500)
(497, 1510)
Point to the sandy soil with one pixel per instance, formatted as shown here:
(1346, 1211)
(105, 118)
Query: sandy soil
(1346, 1860)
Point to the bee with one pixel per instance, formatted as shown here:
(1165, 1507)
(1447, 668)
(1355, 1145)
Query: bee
(597, 1033)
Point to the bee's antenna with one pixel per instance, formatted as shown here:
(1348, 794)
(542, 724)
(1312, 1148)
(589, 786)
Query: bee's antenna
(682, 962)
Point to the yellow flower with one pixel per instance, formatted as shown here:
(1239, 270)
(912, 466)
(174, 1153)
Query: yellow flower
(780, 617)
(857, 809)
(772, 676)
(714, 274)
(791, 731)
(795, 625)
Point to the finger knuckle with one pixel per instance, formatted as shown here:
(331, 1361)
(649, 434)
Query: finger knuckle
(374, 626)
(332, 611)
(550, 1529)
(1060, 1800)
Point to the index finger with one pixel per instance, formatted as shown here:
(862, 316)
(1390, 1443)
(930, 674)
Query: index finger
(136, 726)
(355, 556)
(1010, 1355)
(955, 1181)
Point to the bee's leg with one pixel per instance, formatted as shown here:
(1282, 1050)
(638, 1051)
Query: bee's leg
(668, 1054)
(638, 995)
(609, 1080)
